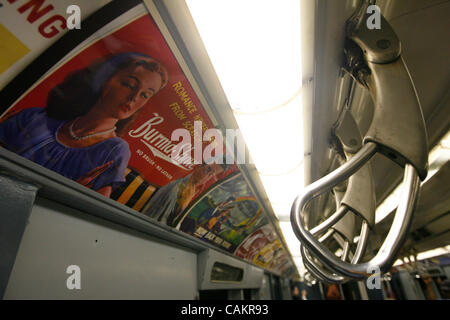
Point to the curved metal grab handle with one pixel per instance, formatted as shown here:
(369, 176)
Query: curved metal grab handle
(326, 276)
(395, 238)
(340, 174)
(362, 243)
(330, 221)
(329, 181)
(360, 249)
(373, 57)
(358, 195)
(397, 130)
(318, 272)
(357, 198)
(328, 234)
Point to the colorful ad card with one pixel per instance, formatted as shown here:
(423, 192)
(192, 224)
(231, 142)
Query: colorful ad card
(109, 110)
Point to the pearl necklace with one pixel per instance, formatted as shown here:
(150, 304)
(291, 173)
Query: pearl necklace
(74, 136)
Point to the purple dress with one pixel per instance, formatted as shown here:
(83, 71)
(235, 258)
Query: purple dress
(33, 135)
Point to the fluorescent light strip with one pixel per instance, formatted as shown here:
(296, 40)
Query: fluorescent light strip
(255, 48)
(433, 253)
(427, 254)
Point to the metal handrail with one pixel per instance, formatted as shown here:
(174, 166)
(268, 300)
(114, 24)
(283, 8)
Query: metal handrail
(320, 272)
(397, 130)
(362, 243)
(316, 270)
(395, 238)
(330, 221)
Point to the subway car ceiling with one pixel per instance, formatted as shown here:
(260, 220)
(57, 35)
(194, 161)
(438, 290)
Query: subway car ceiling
(279, 90)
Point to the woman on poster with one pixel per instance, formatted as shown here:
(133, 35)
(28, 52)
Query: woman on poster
(78, 134)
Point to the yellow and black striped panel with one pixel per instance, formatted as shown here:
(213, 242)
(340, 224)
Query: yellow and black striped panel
(134, 192)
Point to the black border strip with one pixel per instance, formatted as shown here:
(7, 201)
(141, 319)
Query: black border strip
(35, 70)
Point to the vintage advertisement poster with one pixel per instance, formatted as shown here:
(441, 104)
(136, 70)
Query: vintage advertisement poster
(252, 245)
(28, 27)
(225, 215)
(171, 202)
(105, 116)
(263, 248)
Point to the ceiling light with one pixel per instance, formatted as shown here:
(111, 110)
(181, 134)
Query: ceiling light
(255, 48)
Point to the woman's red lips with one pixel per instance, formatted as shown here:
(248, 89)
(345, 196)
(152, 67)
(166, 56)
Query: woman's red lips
(125, 107)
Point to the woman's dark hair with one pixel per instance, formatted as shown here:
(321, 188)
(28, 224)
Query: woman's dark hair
(79, 92)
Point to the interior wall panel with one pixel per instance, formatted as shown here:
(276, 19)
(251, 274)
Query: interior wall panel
(115, 262)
